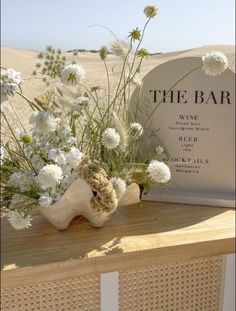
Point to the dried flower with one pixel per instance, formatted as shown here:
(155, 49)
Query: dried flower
(103, 53)
(143, 53)
(136, 130)
(110, 138)
(150, 11)
(158, 171)
(135, 34)
(121, 48)
(214, 63)
(96, 177)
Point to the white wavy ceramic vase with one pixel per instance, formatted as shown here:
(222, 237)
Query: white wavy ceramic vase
(76, 202)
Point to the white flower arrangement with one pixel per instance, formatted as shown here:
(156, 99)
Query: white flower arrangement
(74, 123)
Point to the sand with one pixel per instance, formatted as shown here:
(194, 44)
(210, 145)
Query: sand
(24, 62)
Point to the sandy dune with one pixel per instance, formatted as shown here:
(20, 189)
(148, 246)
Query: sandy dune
(24, 62)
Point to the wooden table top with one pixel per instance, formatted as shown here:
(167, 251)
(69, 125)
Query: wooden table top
(153, 233)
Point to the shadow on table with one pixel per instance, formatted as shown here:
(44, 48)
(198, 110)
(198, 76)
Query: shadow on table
(42, 243)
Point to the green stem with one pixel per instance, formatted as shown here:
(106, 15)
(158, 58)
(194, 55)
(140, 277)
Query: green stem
(21, 149)
(141, 39)
(169, 90)
(108, 83)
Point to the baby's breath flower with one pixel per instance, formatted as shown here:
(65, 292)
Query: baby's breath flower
(110, 138)
(136, 130)
(22, 181)
(150, 11)
(74, 157)
(158, 172)
(45, 200)
(214, 63)
(143, 53)
(18, 220)
(135, 34)
(103, 53)
(72, 74)
(10, 81)
(57, 156)
(120, 186)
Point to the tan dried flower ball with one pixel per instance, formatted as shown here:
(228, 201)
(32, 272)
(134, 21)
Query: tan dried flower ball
(150, 11)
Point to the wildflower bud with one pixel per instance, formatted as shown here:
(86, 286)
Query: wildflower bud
(135, 34)
(103, 53)
(143, 53)
(27, 139)
(150, 11)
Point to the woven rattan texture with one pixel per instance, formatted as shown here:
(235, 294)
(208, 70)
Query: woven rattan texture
(79, 294)
(190, 286)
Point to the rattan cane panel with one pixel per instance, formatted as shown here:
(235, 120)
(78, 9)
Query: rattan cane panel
(189, 286)
(78, 294)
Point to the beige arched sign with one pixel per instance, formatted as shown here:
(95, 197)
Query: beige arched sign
(195, 123)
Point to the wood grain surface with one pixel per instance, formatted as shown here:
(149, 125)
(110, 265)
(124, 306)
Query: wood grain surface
(138, 235)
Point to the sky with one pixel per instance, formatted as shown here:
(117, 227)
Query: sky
(180, 24)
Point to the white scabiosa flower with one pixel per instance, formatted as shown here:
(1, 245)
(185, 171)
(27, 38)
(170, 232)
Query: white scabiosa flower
(57, 155)
(72, 74)
(159, 150)
(158, 171)
(45, 200)
(74, 157)
(119, 186)
(10, 81)
(44, 122)
(214, 63)
(18, 220)
(136, 130)
(150, 11)
(110, 138)
(49, 176)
